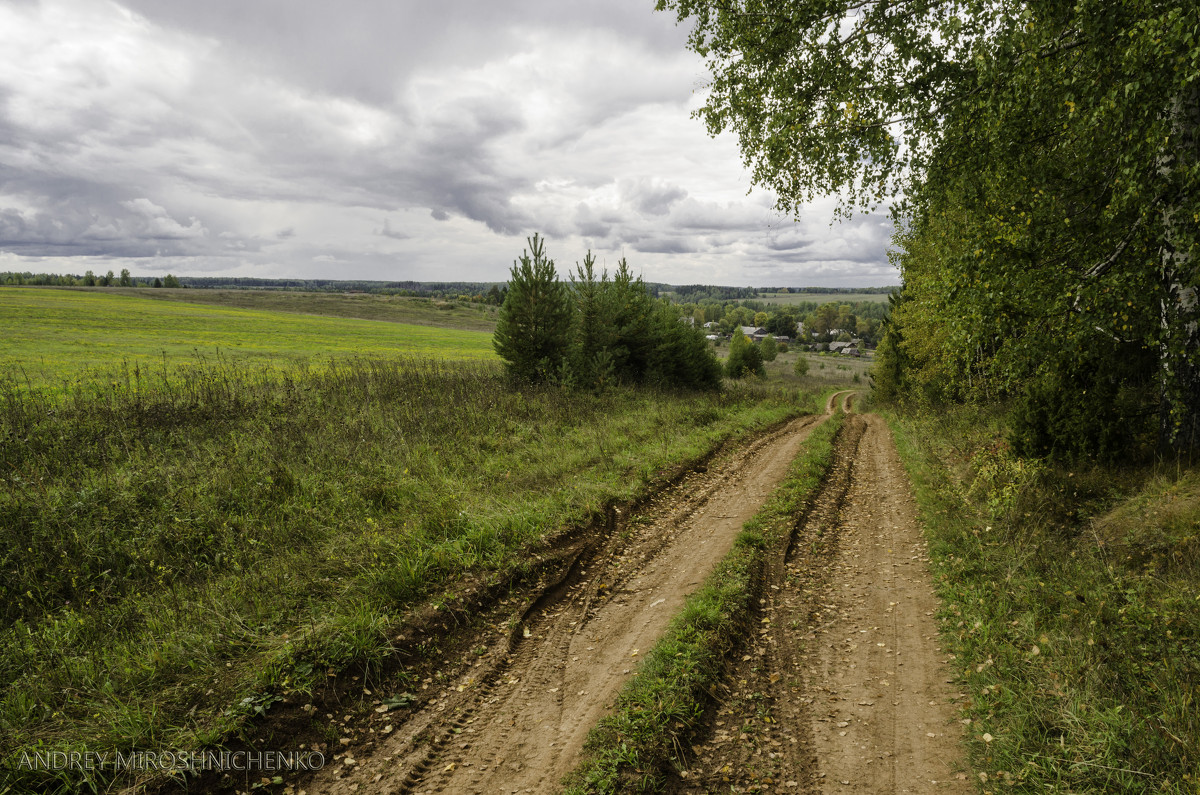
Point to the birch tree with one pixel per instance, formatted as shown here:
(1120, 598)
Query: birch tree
(1040, 159)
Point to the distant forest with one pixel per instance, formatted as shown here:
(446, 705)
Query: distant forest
(486, 292)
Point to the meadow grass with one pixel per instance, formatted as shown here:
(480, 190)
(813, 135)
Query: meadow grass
(182, 546)
(663, 703)
(820, 298)
(824, 370)
(1071, 604)
(54, 337)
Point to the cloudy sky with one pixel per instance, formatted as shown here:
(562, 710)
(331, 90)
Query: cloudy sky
(383, 139)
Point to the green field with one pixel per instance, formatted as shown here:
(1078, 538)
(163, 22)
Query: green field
(366, 306)
(52, 336)
(824, 370)
(233, 525)
(821, 298)
(230, 524)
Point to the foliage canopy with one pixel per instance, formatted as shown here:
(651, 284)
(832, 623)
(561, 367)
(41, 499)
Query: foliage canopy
(1045, 155)
(745, 358)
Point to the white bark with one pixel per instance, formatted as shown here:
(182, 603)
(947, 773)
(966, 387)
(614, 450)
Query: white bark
(1179, 308)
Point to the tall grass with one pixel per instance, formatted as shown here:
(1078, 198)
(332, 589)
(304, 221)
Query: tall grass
(1072, 605)
(180, 544)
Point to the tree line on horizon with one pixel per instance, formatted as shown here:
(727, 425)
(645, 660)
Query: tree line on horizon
(88, 279)
(490, 292)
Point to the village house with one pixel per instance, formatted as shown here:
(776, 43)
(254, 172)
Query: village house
(755, 333)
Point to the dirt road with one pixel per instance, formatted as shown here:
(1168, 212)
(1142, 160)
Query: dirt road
(517, 718)
(841, 689)
(844, 689)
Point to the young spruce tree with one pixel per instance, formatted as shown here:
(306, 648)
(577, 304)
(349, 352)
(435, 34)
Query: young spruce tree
(533, 332)
(595, 327)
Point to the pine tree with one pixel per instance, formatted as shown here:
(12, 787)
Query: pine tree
(633, 311)
(533, 331)
(596, 331)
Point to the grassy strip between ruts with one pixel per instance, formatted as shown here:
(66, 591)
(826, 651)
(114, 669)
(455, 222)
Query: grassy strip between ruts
(1071, 602)
(176, 553)
(662, 703)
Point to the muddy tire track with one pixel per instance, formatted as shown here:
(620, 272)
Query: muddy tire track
(843, 688)
(516, 720)
(845, 398)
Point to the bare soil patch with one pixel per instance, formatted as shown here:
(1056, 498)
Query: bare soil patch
(844, 687)
(514, 718)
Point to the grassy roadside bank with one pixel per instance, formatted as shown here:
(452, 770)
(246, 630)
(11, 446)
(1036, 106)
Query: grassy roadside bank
(662, 703)
(1072, 605)
(181, 550)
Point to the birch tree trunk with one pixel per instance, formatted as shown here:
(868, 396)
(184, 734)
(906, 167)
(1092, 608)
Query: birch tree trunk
(1179, 419)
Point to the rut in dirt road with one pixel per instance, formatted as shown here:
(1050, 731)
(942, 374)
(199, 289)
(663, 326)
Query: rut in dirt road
(843, 687)
(517, 719)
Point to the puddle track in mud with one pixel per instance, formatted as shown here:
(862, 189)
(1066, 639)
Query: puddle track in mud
(516, 721)
(844, 688)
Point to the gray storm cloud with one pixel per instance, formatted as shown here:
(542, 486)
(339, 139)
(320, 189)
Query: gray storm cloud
(397, 140)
